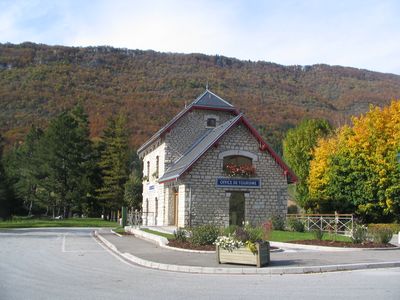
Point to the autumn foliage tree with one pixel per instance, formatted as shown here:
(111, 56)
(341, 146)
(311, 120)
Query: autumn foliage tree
(297, 152)
(356, 169)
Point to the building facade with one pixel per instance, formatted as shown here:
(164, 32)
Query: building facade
(209, 165)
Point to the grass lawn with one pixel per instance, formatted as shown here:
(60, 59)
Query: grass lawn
(119, 230)
(286, 236)
(276, 236)
(72, 222)
(166, 235)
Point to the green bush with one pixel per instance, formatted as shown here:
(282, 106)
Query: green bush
(204, 234)
(278, 223)
(230, 230)
(381, 234)
(295, 224)
(318, 234)
(255, 234)
(180, 235)
(360, 234)
(241, 234)
(394, 227)
(292, 209)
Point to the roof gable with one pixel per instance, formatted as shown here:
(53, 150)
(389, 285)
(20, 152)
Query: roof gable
(208, 101)
(211, 100)
(201, 146)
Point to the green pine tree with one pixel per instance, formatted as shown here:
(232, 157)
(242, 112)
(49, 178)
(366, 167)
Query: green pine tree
(114, 164)
(66, 153)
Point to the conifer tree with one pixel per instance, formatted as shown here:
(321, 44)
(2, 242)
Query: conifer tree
(134, 185)
(4, 192)
(24, 167)
(66, 154)
(114, 164)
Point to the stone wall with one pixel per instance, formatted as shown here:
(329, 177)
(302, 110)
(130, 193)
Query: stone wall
(152, 189)
(187, 130)
(210, 204)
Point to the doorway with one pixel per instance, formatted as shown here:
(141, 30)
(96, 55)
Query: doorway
(236, 208)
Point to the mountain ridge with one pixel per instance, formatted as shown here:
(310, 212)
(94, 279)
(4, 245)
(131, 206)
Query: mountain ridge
(37, 81)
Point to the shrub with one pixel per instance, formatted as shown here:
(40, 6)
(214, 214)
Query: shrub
(180, 235)
(267, 228)
(295, 224)
(241, 234)
(292, 209)
(204, 234)
(255, 234)
(278, 223)
(395, 228)
(360, 234)
(318, 234)
(230, 230)
(381, 234)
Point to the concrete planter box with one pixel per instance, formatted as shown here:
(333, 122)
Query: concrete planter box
(244, 256)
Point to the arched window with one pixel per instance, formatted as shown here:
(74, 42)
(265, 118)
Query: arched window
(148, 170)
(157, 166)
(238, 165)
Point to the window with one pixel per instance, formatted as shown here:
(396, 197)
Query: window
(157, 166)
(156, 214)
(211, 122)
(237, 165)
(148, 171)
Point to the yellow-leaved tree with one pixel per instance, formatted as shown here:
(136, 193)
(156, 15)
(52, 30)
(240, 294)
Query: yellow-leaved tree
(356, 169)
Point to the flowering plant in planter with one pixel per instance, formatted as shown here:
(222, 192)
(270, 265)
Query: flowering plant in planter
(240, 170)
(246, 236)
(229, 243)
(245, 246)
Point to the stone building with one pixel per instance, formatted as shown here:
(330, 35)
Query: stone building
(210, 165)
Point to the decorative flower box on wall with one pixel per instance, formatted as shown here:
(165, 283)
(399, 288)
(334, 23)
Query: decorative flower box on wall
(244, 256)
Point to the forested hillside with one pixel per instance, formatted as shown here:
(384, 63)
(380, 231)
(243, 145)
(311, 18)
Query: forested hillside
(39, 81)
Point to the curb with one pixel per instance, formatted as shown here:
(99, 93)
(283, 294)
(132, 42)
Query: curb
(161, 241)
(242, 271)
(116, 233)
(292, 246)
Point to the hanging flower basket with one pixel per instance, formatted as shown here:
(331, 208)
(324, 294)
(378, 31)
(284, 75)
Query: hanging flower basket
(240, 170)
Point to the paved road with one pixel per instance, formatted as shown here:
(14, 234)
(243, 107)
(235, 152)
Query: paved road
(70, 264)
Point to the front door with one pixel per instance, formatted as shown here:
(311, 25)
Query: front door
(236, 208)
(175, 207)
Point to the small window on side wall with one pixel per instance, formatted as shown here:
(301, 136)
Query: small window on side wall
(211, 122)
(148, 171)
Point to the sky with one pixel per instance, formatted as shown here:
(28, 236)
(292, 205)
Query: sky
(358, 33)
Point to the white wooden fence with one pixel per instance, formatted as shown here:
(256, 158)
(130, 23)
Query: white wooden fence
(334, 223)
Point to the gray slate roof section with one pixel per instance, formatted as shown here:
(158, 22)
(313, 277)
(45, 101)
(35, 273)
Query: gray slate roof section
(210, 99)
(197, 150)
(207, 99)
